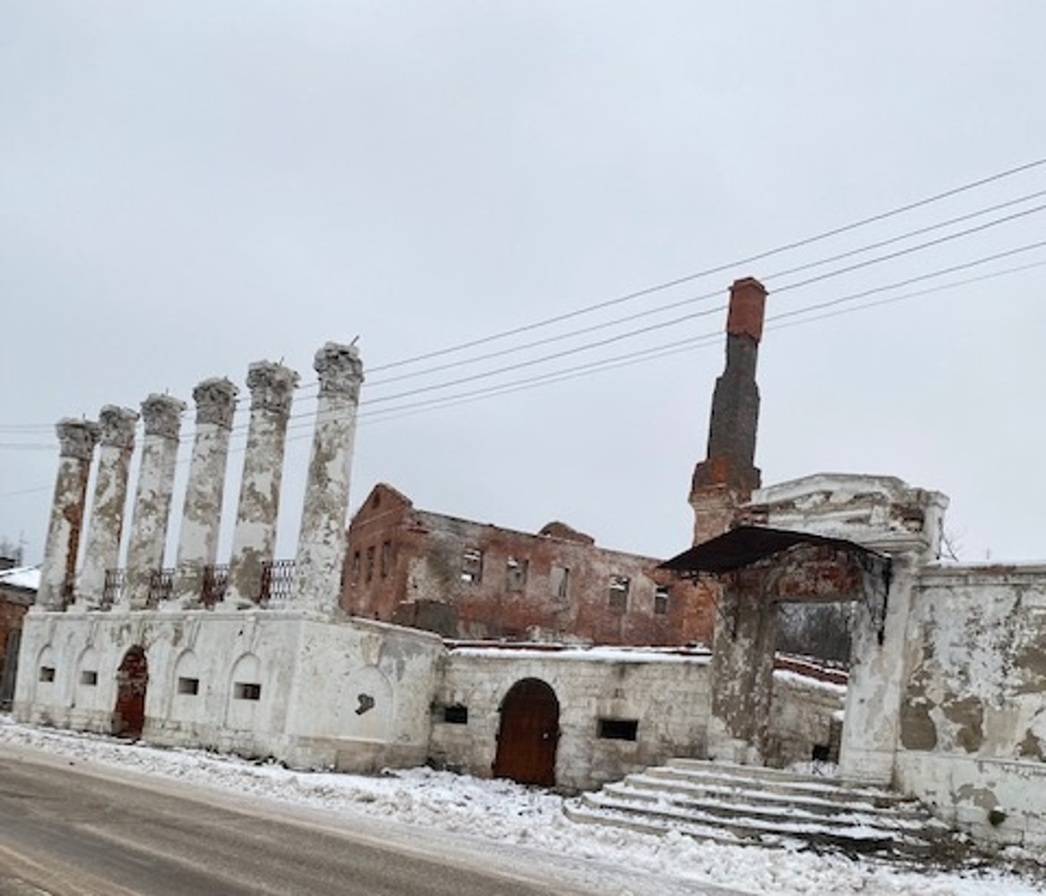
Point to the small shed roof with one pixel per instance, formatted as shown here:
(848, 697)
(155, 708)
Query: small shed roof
(745, 545)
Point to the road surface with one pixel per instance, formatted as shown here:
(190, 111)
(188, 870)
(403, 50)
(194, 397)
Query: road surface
(66, 829)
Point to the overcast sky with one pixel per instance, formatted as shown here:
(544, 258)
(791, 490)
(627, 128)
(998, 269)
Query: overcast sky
(189, 187)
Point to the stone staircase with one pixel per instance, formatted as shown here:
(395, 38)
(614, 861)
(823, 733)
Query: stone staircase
(750, 805)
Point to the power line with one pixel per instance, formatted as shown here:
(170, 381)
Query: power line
(759, 256)
(690, 300)
(779, 321)
(710, 338)
(717, 293)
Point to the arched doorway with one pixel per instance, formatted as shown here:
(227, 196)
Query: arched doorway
(131, 680)
(528, 734)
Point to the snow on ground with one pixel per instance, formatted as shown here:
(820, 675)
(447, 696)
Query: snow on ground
(523, 818)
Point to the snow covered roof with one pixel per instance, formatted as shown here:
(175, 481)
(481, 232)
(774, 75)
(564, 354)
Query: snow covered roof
(24, 577)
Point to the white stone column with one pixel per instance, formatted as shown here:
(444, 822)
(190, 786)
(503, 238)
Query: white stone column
(105, 524)
(201, 517)
(76, 440)
(152, 502)
(321, 539)
(254, 539)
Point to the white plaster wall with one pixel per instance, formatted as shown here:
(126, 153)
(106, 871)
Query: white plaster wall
(363, 694)
(309, 673)
(879, 512)
(801, 714)
(973, 726)
(668, 695)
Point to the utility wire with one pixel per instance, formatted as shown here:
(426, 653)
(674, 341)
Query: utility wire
(667, 284)
(712, 338)
(783, 320)
(541, 359)
(759, 256)
(717, 293)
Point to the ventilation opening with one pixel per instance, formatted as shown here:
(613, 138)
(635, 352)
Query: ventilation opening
(243, 690)
(618, 729)
(456, 715)
(190, 686)
(89, 678)
(47, 673)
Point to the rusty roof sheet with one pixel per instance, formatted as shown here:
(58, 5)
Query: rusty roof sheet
(745, 545)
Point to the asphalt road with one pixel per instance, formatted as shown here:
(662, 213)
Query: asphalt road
(66, 832)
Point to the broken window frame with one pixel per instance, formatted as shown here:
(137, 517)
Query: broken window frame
(472, 566)
(617, 596)
(368, 564)
(516, 574)
(559, 581)
(662, 595)
(355, 575)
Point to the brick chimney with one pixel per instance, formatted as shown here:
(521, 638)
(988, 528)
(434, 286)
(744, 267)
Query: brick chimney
(727, 476)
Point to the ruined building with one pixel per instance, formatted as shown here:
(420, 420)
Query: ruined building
(945, 697)
(469, 580)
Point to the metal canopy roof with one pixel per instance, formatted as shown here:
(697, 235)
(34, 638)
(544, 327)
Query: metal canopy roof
(746, 544)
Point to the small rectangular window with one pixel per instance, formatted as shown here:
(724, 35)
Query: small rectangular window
(471, 565)
(515, 574)
(47, 673)
(618, 729)
(89, 678)
(369, 572)
(190, 686)
(243, 690)
(386, 558)
(661, 593)
(456, 715)
(559, 580)
(619, 593)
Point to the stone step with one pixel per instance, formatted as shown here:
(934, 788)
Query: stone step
(853, 839)
(772, 812)
(768, 807)
(747, 791)
(775, 781)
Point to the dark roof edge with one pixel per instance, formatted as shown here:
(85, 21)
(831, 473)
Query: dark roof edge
(745, 545)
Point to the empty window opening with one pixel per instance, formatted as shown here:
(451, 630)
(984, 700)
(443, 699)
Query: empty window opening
(243, 690)
(821, 753)
(355, 567)
(190, 686)
(89, 677)
(618, 729)
(369, 573)
(515, 574)
(47, 673)
(619, 593)
(560, 581)
(386, 558)
(661, 593)
(471, 565)
(456, 714)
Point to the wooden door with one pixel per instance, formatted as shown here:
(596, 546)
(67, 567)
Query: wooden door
(528, 734)
(132, 678)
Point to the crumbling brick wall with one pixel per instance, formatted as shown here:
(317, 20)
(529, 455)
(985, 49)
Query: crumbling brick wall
(501, 583)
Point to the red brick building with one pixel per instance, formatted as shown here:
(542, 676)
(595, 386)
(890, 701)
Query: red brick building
(471, 580)
(17, 592)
